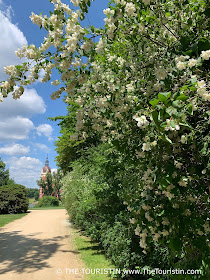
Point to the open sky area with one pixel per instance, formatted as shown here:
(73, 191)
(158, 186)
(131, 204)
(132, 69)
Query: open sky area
(26, 133)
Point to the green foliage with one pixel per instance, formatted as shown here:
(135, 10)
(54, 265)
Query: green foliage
(93, 196)
(51, 184)
(33, 193)
(67, 149)
(13, 199)
(46, 201)
(4, 174)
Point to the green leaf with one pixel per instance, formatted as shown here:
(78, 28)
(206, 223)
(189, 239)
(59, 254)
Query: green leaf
(176, 244)
(182, 97)
(207, 12)
(155, 117)
(165, 137)
(163, 96)
(154, 102)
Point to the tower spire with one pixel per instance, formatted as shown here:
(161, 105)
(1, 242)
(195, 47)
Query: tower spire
(47, 161)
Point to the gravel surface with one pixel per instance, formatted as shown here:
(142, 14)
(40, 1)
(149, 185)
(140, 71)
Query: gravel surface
(38, 247)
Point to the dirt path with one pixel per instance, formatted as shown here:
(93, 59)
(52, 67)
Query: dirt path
(38, 247)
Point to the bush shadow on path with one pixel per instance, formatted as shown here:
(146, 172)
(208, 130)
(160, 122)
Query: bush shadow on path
(19, 253)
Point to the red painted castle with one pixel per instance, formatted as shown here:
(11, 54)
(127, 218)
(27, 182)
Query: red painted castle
(46, 169)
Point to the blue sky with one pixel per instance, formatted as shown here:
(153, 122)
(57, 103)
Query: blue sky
(26, 134)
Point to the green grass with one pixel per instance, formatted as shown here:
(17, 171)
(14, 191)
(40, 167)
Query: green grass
(7, 218)
(32, 200)
(92, 256)
(47, 208)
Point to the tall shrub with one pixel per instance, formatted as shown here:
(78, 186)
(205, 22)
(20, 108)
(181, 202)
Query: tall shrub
(13, 199)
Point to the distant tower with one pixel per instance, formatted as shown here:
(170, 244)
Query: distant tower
(46, 169)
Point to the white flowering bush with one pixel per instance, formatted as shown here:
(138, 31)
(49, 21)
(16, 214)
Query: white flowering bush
(144, 87)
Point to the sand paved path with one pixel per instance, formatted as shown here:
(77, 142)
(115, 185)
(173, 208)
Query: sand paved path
(38, 247)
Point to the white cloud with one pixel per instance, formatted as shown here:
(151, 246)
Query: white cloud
(14, 114)
(10, 40)
(42, 147)
(30, 103)
(25, 170)
(15, 150)
(16, 128)
(45, 129)
(54, 170)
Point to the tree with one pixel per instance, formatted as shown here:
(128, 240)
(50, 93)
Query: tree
(4, 174)
(13, 199)
(33, 193)
(69, 150)
(51, 184)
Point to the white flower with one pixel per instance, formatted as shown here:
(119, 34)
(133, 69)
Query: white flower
(165, 222)
(142, 121)
(181, 65)
(146, 147)
(147, 216)
(19, 53)
(10, 70)
(182, 183)
(140, 154)
(130, 87)
(165, 233)
(161, 73)
(170, 187)
(36, 19)
(100, 46)
(192, 62)
(205, 54)
(141, 28)
(183, 139)
(130, 9)
(137, 230)
(108, 11)
(191, 198)
(156, 237)
(75, 2)
(187, 212)
(55, 83)
(133, 221)
(145, 207)
(178, 164)
(201, 84)
(143, 244)
(154, 143)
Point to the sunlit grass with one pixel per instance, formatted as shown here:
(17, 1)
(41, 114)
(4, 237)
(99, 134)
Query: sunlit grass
(92, 256)
(7, 218)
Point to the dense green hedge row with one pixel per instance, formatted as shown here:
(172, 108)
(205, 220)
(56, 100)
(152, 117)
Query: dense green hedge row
(48, 201)
(93, 197)
(13, 199)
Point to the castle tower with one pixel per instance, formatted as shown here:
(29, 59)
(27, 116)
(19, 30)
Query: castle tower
(46, 169)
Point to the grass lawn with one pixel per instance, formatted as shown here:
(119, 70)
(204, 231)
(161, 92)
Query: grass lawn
(7, 218)
(47, 208)
(32, 200)
(92, 256)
